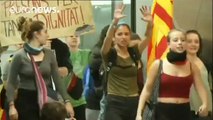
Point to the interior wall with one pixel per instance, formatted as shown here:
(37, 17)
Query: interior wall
(196, 14)
(188, 14)
(102, 17)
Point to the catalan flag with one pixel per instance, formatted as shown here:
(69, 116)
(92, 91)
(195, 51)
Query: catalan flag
(162, 12)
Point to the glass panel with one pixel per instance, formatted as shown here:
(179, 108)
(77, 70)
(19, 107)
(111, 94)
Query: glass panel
(102, 17)
(127, 10)
(102, 13)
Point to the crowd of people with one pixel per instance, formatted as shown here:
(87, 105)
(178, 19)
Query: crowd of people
(35, 74)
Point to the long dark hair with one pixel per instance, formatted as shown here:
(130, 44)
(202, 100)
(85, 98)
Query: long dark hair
(102, 36)
(200, 40)
(122, 24)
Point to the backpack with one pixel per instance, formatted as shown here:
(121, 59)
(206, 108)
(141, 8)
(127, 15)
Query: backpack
(89, 85)
(135, 56)
(74, 86)
(88, 82)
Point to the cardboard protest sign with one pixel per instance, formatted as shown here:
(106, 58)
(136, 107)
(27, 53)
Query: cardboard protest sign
(61, 17)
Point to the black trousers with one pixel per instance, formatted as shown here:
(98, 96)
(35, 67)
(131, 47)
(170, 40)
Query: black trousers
(121, 108)
(169, 111)
(80, 112)
(27, 105)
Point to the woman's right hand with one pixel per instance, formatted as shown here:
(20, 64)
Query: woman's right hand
(118, 13)
(70, 109)
(13, 114)
(203, 111)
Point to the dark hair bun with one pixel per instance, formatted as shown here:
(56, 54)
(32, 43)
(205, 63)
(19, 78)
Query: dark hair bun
(20, 23)
(27, 27)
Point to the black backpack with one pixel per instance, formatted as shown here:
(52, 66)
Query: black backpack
(134, 54)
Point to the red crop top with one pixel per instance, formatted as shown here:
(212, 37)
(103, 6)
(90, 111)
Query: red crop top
(172, 86)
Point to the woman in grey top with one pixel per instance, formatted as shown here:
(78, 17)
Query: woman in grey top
(25, 106)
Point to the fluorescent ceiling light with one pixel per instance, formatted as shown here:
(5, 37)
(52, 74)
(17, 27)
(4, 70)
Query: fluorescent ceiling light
(103, 2)
(126, 1)
(107, 2)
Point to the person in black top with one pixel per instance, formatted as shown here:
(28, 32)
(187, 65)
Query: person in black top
(93, 100)
(62, 56)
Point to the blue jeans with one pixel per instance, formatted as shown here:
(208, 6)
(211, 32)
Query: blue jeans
(103, 103)
(92, 114)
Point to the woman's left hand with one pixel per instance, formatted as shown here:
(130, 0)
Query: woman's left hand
(138, 117)
(69, 109)
(63, 71)
(203, 111)
(146, 14)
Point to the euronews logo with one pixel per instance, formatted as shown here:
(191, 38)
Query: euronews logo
(33, 10)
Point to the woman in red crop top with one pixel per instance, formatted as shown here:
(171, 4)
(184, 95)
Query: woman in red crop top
(177, 76)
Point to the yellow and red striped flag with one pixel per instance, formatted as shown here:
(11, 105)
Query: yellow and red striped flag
(162, 12)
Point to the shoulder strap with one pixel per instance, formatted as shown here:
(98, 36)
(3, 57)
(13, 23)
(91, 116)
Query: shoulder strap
(160, 68)
(134, 54)
(111, 59)
(156, 87)
(158, 80)
(111, 62)
(40, 84)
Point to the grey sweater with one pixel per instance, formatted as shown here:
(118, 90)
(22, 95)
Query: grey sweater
(22, 66)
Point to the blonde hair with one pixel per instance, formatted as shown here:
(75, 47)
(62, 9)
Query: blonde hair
(171, 31)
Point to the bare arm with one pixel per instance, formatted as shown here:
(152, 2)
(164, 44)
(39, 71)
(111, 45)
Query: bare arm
(108, 39)
(110, 33)
(199, 86)
(144, 43)
(148, 87)
(147, 17)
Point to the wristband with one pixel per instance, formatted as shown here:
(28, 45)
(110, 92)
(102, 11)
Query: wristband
(66, 101)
